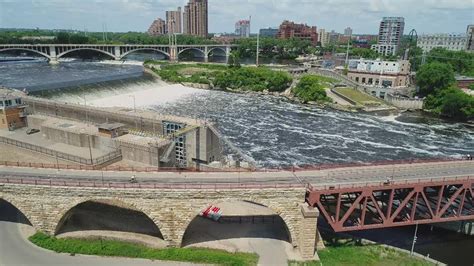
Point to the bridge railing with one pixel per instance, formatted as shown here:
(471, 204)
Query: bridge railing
(146, 185)
(301, 169)
(388, 183)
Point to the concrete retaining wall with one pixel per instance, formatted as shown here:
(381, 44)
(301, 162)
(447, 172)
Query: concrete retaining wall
(404, 103)
(201, 147)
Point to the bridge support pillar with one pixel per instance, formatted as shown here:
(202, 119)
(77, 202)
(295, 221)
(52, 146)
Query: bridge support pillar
(308, 233)
(53, 61)
(53, 57)
(173, 54)
(206, 54)
(227, 54)
(117, 52)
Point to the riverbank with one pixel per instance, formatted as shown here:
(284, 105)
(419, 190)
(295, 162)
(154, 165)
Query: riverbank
(317, 92)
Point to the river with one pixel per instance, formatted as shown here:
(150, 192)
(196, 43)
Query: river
(273, 131)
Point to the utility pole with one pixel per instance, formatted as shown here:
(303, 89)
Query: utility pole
(90, 148)
(347, 52)
(258, 48)
(414, 240)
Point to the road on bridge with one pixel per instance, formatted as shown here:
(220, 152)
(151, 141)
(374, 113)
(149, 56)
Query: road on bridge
(344, 176)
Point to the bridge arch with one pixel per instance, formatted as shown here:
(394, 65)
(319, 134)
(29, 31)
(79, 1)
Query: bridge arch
(23, 215)
(193, 49)
(85, 49)
(145, 49)
(107, 215)
(223, 49)
(26, 49)
(287, 224)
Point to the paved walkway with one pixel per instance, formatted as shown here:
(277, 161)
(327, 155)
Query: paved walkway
(15, 250)
(347, 176)
(337, 99)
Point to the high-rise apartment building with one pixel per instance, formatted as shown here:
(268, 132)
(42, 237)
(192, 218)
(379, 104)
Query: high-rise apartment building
(390, 34)
(470, 38)
(195, 18)
(289, 29)
(174, 21)
(323, 37)
(158, 27)
(242, 28)
(348, 31)
(452, 42)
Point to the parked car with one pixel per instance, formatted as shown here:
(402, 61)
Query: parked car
(32, 131)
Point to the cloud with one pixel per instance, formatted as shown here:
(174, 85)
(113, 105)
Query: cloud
(136, 15)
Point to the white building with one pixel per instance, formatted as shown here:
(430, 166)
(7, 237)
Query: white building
(379, 73)
(323, 37)
(470, 38)
(390, 33)
(452, 42)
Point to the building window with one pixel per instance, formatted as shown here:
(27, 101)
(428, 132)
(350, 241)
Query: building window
(8, 103)
(363, 80)
(18, 101)
(371, 81)
(357, 79)
(1, 103)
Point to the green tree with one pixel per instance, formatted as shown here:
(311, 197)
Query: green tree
(462, 62)
(434, 76)
(62, 38)
(311, 88)
(452, 103)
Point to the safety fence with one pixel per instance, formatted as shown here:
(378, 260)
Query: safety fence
(138, 185)
(305, 168)
(389, 183)
(58, 155)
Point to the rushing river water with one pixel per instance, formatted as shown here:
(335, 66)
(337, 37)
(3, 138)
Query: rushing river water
(271, 130)
(276, 132)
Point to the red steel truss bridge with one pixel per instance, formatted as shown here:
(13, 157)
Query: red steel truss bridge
(394, 203)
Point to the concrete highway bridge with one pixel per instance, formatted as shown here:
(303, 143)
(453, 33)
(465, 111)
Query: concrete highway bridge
(53, 52)
(348, 197)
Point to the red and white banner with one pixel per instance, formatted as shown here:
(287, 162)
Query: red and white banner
(211, 212)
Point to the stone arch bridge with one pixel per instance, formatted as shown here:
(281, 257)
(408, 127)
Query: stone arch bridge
(53, 52)
(171, 210)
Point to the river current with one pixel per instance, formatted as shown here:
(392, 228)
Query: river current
(273, 131)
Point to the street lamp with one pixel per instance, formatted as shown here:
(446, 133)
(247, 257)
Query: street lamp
(258, 48)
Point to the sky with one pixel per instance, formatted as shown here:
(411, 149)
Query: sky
(363, 16)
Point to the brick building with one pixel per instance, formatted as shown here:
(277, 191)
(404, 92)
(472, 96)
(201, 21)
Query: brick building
(158, 27)
(12, 110)
(195, 18)
(289, 29)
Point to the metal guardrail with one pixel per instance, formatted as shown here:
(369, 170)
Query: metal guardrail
(61, 155)
(227, 170)
(161, 186)
(390, 183)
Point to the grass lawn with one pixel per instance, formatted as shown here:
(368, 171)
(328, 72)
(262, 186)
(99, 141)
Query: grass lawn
(122, 249)
(358, 97)
(370, 255)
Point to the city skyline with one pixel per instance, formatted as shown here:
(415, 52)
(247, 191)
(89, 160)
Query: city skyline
(363, 16)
